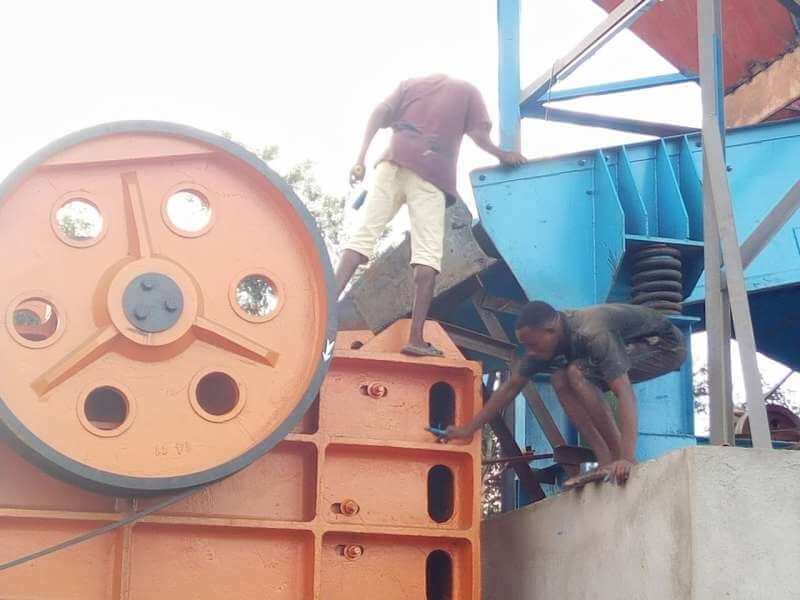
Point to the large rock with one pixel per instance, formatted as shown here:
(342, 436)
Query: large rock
(384, 293)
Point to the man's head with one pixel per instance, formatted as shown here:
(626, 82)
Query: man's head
(540, 330)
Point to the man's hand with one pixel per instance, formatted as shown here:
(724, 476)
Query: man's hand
(512, 159)
(618, 471)
(357, 173)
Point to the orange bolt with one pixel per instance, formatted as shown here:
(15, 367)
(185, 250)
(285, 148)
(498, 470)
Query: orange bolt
(349, 507)
(353, 552)
(375, 389)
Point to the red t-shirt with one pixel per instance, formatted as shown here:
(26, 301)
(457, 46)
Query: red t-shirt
(429, 116)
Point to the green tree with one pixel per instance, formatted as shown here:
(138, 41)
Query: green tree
(491, 474)
(327, 209)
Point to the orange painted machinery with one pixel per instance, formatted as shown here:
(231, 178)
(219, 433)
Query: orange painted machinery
(168, 331)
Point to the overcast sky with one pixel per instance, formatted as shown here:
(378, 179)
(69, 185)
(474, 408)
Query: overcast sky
(302, 74)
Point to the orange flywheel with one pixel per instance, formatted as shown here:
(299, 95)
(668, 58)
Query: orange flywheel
(169, 311)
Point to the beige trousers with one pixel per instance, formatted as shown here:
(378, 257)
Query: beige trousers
(393, 186)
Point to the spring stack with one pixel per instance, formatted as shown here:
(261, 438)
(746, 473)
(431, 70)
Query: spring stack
(658, 279)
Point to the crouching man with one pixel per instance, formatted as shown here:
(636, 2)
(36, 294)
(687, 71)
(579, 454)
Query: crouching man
(589, 352)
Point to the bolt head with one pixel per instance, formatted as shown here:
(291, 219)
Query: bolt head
(353, 551)
(349, 507)
(147, 285)
(141, 312)
(170, 304)
(377, 390)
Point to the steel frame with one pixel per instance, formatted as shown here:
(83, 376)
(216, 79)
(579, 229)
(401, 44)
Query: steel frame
(530, 102)
(726, 293)
(721, 242)
(618, 19)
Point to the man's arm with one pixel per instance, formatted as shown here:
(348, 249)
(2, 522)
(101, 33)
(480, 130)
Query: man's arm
(377, 120)
(499, 400)
(484, 142)
(628, 425)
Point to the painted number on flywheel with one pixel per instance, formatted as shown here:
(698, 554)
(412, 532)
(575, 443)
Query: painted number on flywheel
(173, 449)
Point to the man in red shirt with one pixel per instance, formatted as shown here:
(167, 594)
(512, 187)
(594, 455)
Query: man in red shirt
(429, 117)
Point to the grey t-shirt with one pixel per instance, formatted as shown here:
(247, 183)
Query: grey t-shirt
(599, 334)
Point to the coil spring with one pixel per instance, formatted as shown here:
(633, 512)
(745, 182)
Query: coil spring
(658, 279)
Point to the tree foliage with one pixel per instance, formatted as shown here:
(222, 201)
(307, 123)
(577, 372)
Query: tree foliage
(491, 475)
(327, 209)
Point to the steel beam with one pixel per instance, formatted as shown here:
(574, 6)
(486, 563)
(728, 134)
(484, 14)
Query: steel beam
(717, 304)
(543, 416)
(718, 330)
(616, 87)
(778, 385)
(511, 449)
(607, 122)
(710, 42)
(772, 224)
(503, 305)
(469, 340)
(618, 19)
(508, 17)
(740, 308)
(768, 228)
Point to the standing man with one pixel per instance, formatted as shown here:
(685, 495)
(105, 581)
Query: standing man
(589, 351)
(429, 117)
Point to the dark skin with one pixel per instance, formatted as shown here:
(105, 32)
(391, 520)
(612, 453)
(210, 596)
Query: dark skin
(424, 276)
(614, 444)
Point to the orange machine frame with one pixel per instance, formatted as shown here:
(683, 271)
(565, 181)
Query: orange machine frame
(343, 508)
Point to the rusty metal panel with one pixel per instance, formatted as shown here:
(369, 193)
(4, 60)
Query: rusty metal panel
(756, 33)
(382, 571)
(358, 501)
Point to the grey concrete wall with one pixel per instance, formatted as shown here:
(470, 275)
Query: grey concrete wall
(698, 524)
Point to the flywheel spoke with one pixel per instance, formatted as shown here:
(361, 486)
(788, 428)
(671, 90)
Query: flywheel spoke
(227, 339)
(79, 358)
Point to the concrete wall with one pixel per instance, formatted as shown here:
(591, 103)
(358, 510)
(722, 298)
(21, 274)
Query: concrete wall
(703, 523)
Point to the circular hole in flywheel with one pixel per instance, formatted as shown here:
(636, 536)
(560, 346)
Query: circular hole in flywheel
(35, 319)
(106, 408)
(217, 394)
(189, 211)
(257, 296)
(79, 220)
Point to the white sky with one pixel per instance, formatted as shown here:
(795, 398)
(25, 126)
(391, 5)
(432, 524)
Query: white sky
(302, 74)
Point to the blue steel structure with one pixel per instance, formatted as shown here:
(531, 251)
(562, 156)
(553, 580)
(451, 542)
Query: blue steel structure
(566, 227)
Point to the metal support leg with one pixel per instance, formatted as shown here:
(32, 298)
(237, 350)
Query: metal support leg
(511, 449)
(508, 16)
(718, 330)
(719, 201)
(740, 308)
